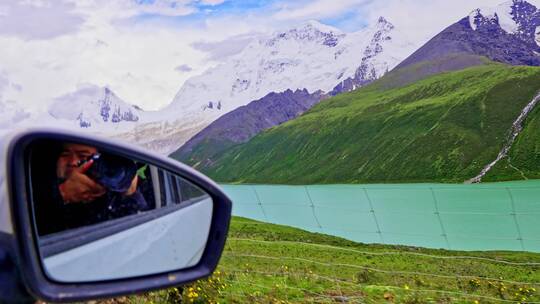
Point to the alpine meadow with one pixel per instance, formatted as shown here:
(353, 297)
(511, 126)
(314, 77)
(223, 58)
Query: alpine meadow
(441, 129)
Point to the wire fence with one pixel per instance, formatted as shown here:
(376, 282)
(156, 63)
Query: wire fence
(497, 260)
(497, 216)
(353, 299)
(289, 272)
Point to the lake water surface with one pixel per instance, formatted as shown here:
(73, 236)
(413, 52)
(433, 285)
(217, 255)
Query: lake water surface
(487, 216)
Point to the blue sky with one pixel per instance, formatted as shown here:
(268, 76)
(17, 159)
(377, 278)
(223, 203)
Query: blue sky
(237, 6)
(346, 20)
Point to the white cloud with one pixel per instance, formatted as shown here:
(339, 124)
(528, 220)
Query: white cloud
(220, 50)
(10, 111)
(135, 60)
(38, 20)
(212, 2)
(166, 7)
(137, 65)
(7, 86)
(316, 9)
(4, 82)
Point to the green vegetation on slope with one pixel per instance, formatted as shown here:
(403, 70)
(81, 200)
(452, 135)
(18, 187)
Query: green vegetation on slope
(444, 129)
(452, 62)
(266, 263)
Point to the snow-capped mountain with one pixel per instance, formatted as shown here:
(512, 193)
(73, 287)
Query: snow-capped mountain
(97, 108)
(516, 17)
(507, 33)
(378, 57)
(312, 56)
(92, 109)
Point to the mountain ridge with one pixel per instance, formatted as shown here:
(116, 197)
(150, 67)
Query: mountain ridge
(242, 124)
(484, 33)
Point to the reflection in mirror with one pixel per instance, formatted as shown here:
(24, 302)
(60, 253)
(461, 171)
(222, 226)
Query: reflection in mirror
(101, 216)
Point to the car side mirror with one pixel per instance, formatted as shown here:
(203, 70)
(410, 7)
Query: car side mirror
(92, 218)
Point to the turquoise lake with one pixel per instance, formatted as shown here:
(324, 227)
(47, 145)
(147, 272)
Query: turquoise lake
(487, 216)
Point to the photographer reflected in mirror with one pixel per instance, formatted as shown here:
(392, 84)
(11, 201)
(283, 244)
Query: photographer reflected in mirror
(76, 186)
(89, 187)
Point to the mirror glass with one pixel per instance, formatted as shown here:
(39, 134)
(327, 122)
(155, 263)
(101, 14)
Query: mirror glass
(101, 216)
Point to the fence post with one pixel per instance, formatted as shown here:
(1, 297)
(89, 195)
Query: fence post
(438, 214)
(313, 209)
(259, 202)
(374, 216)
(514, 215)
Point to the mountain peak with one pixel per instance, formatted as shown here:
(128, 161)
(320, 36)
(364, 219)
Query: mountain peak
(383, 25)
(383, 21)
(91, 105)
(312, 31)
(513, 16)
(505, 33)
(318, 26)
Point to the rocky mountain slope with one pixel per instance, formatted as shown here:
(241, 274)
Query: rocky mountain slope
(242, 124)
(506, 33)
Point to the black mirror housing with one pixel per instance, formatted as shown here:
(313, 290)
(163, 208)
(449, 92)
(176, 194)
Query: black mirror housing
(27, 253)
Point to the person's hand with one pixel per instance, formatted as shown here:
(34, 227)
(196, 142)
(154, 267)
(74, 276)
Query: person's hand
(133, 187)
(79, 187)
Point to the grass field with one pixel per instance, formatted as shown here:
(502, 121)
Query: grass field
(266, 263)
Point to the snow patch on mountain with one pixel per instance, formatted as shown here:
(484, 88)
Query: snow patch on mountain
(94, 106)
(501, 15)
(516, 17)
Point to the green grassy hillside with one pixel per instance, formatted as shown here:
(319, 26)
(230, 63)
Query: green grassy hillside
(266, 263)
(444, 129)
